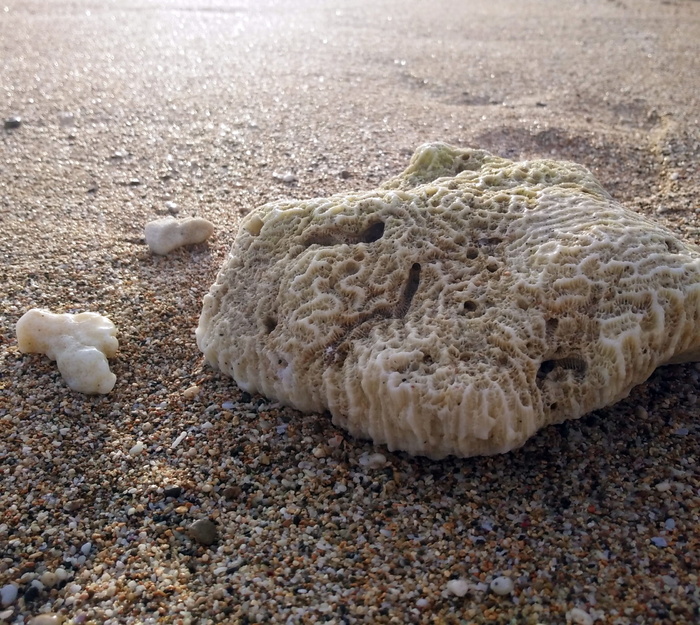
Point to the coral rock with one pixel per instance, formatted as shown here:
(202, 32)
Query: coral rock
(167, 234)
(80, 344)
(457, 309)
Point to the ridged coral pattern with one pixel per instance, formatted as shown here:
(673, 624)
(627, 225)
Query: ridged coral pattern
(458, 308)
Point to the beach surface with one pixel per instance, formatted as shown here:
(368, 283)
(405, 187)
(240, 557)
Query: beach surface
(177, 498)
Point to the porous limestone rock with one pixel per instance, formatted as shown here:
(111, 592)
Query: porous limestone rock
(167, 234)
(80, 344)
(458, 308)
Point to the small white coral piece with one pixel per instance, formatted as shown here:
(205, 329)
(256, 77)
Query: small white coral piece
(501, 585)
(167, 234)
(458, 587)
(80, 344)
(577, 616)
(457, 309)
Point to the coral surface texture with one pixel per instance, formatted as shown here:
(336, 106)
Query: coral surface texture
(458, 308)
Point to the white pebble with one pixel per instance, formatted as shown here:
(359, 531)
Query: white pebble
(577, 616)
(8, 595)
(85, 549)
(137, 449)
(502, 586)
(458, 587)
(49, 579)
(373, 461)
(47, 619)
(61, 573)
(191, 392)
(178, 440)
(287, 176)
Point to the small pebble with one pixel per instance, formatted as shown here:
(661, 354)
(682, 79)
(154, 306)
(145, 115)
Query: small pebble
(172, 207)
(31, 593)
(12, 122)
(61, 574)
(191, 392)
(458, 587)
(137, 449)
(49, 579)
(373, 461)
(179, 439)
(671, 582)
(577, 616)
(8, 595)
(285, 177)
(85, 549)
(47, 619)
(172, 490)
(204, 532)
(502, 586)
(670, 525)
(232, 492)
(74, 505)
(659, 541)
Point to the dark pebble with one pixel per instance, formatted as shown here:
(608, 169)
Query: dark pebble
(31, 593)
(13, 122)
(172, 491)
(204, 532)
(232, 492)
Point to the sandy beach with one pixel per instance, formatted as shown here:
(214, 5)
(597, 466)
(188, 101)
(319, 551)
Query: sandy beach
(118, 113)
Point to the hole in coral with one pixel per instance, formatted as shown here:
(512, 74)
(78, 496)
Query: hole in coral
(671, 245)
(573, 363)
(372, 233)
(490, 241)
(492, 267)
(551, 325)
(327, 238)
(472, 253)
(409, 290)
(546, 367)
(270, 323)
(553, 406)
(570, 363)
(470, 306)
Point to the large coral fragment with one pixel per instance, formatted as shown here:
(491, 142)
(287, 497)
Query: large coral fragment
(457, 309)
